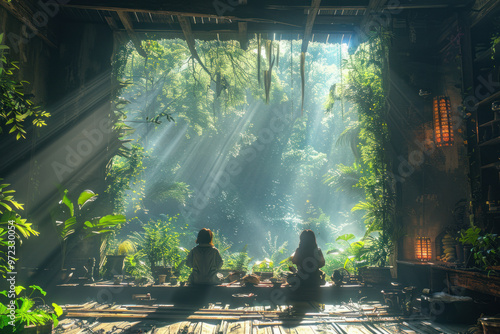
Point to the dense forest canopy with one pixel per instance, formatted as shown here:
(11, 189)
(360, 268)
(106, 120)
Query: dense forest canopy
(223, 140)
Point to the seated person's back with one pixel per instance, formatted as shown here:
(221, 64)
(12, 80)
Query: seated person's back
(204, 259)
(309, 258)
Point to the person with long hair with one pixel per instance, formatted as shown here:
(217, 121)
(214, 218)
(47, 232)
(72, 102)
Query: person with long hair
(308, 258)
(204, 259)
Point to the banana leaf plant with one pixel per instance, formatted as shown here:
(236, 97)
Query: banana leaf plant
(78, 226)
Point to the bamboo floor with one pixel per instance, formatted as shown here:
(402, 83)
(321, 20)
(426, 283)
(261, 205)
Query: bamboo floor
(301, 318)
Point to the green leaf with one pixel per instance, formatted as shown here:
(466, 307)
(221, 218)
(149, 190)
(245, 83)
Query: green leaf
(57, 309)
(112, 219)
(68, 203)
(55, 321)
(85, 197)
(36, 287)
(346, 237)
(6, 206)
(19, 288)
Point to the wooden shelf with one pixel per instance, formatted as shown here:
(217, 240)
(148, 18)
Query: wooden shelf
(489, 99)
(489, 123)
(493, 141)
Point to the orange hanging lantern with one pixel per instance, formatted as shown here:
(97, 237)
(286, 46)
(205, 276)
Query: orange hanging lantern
(443, 128)
(423, 248)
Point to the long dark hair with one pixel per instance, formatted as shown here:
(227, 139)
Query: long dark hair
(205, 236)
(307, 241)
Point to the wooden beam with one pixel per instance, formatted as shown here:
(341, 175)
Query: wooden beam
(23, 14)
(243, 35)
(313, 11)
(127, 24)
(374, 7)
(311, 16)
(277, 8)
(188, 35)
(252, 28)
(485, 11)
(114, 27)
(362, 5)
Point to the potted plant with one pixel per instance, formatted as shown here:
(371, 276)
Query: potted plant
(22, 314)
(71, 223)
(158, 243)
(375, 253)
(115, 263)
(237, 263)
(264, 269)
(485, 248)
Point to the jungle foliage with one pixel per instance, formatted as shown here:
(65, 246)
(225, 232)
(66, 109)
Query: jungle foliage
(366, 86)
(16, 107)
(189, 114)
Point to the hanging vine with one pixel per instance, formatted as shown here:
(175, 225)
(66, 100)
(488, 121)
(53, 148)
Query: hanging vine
(366, 86)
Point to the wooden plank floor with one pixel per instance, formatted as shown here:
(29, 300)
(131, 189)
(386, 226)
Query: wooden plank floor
(308, 318)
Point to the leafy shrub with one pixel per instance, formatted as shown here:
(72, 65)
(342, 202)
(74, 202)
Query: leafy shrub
(26, 311)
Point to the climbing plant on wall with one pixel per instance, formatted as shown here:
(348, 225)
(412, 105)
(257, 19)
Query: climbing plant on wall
(366, 87)
(16, 107)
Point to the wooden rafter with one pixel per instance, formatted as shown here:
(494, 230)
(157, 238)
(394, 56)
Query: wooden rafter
(313, 11)
(243, 35)
(113, 26)
(485, 11)
(206, 8)
(311, 16)
(374, 7)
(188, 35)
(127, 24)
(24, 15)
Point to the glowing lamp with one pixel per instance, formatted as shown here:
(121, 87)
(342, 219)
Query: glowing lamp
(423, 248)
(443, 128)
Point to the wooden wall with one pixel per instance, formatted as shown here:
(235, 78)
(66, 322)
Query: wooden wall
(72, 80)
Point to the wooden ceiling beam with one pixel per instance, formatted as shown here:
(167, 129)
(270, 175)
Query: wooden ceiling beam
(243, 35)
(313, 11)
(252, 28)
(114, 27)
(361, 5)
(188, 35)
(486, 10)
(127, 24)
(204, 10)
(25, 15)
(374, 7)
